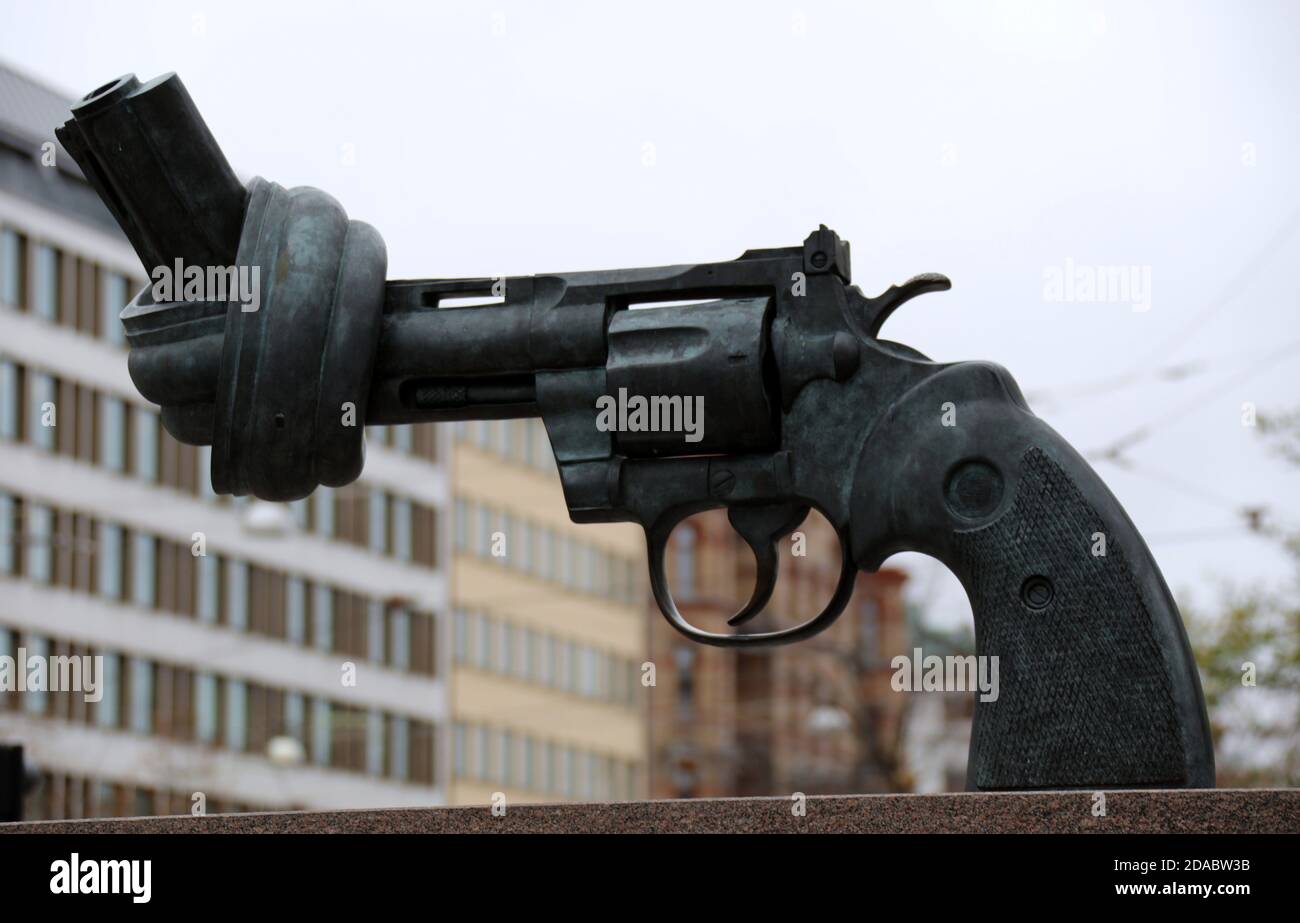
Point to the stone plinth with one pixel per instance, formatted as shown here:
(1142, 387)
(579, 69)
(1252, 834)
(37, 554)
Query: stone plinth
(1154, 811)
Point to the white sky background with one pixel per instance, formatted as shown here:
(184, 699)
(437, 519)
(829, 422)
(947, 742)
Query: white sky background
(985, 141)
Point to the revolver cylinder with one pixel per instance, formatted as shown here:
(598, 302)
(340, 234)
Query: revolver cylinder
(712, 357)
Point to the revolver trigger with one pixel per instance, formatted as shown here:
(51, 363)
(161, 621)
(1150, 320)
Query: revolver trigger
(879, 308)
(762, 527)
(766, 558)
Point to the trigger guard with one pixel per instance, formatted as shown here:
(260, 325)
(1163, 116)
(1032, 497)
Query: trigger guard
(657, 536)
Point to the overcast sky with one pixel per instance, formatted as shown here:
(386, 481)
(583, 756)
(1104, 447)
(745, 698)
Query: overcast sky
(989, 142)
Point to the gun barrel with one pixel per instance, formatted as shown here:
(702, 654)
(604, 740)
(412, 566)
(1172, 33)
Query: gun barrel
(453, 364)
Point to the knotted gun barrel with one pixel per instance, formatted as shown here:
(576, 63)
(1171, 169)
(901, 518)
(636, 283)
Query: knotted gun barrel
(274, 297)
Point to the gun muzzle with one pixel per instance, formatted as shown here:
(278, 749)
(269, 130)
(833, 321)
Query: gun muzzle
(148, 153)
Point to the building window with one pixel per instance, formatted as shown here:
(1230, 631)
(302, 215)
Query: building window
(460, 636)
(400, 639)
(144, 570)
(524, 546)
(113, 299)
(580, 569)
(587, 778)
(616, 679)
(546, 660)
(506, 653)
(43, 407)
(460, 524)
(400, 759)
(295, 604)
(374, 742)
(323, 501)
(595, 669)
(209, 588)
(205, 707)
(508, 439)
(484, 531)
(110, 703)
(629, 581)
(424, 529)
(581, 578)
(320, 732)
(141, 695)
(203, 467)
(375, 630)
(506, 526)
(236, 724)
(561, 558)
(378, 521)
(113, 428)
(482, 756)
(47, 282)
(401, 511)
(38, 648)
(505, 760)
(459, 756)
(12, 266)
(528, 655)
(568, 554)
(569, 771)
(145, 449)
(548, 554)
(528, 760)
(550, 768)
(486, 641)
(322, 615)
(10, 401)
(527, 443)
(575, 667)
(295, 715)
(237, 594)
(110, 561)
(8, 537)
(39, 539)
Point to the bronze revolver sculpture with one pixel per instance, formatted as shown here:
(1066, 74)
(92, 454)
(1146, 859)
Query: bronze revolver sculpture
(801, 405)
